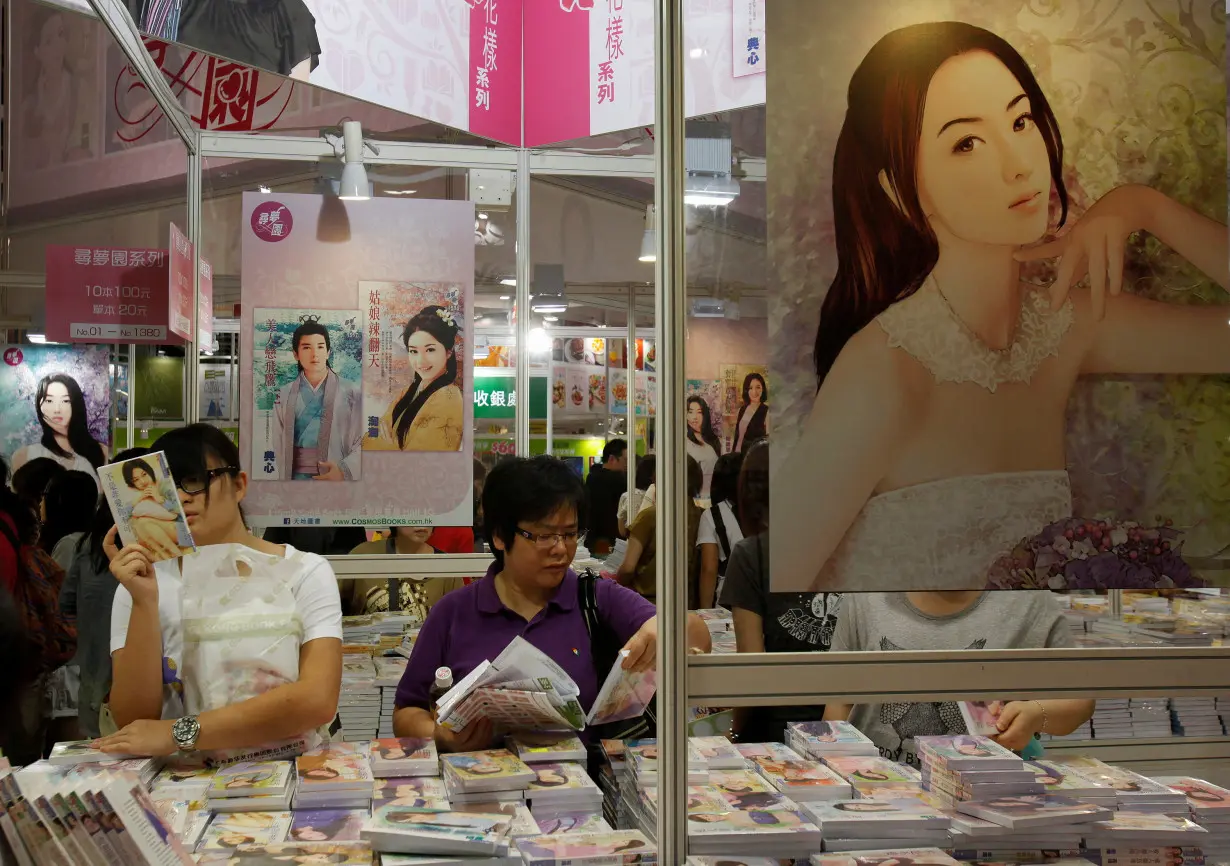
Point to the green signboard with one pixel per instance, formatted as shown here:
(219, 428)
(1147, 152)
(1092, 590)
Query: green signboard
(496, 397)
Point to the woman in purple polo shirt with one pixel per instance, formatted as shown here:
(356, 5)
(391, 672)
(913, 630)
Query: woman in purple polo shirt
(533, 511)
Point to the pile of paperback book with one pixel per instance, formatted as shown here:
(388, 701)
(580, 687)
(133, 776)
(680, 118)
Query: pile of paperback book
(968, 767)
(338, 776)
(820, 740)
(253, 786)
(877, 778)
(1210, 808)
(872, 825)
(790, 773)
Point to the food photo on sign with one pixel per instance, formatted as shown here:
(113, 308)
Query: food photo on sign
(57, 403)
(1014, 279)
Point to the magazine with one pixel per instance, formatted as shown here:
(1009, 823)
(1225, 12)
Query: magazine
(228, 831)
(251, 777)
(1033, 810)
(425, 831)
(404, 757)
(579, 848)
(145, 503)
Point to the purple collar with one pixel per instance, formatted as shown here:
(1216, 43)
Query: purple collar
(565, 598)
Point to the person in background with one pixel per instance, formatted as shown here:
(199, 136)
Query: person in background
(719, 530)
(642, 496)
(30, 482)
(752, 423)
(602, 489)
(775, 622)
(702, 443)
(534, 512)
(451, 539)
(147, 638)
(90, 586)
(371, 595)
(638, 570)
(67, 510)
(953, 620)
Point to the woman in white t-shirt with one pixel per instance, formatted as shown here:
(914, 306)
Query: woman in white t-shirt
(147, 637)
(703, 444)
(719, 529)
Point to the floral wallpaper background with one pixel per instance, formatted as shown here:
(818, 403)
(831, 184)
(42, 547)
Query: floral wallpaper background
(1139, 89)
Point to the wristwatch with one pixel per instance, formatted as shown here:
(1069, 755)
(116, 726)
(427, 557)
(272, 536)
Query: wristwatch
(185, 732)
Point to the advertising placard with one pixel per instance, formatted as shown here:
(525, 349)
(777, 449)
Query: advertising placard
(180, 282)
(107, 295)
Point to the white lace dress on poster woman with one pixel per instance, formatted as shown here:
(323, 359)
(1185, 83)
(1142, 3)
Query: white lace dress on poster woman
(944, 534)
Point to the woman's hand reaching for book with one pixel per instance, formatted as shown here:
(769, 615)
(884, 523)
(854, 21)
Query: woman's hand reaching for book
(133, 569)
(643, 648)
(473, 738)
(1018, 721)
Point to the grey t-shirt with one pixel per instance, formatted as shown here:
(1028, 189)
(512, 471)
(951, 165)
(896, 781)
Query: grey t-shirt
(889, 621)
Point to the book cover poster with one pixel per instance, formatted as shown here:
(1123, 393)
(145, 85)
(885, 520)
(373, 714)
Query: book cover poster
(404, 272)
(998, 295)
(308, 419)
(57, 403)
(145, 503)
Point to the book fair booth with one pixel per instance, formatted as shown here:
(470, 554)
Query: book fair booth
(942, 290)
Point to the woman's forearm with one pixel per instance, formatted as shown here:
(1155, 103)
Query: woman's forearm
(413, 722)
(1064, 717)
(1202, 241)
(708, 576)
(279, 714)
(698, 634)
(136, 670)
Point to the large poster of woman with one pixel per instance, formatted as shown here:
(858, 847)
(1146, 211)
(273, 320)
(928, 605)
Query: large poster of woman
(1024, 216)
(57, 405)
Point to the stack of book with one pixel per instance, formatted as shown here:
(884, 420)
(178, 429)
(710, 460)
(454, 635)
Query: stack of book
(258, 786)
(338, 776)
(336, 853)
(399, 758)
(406, 830)
(554, 823)
(1210, 808)
(563, 786)
(327, 825)
(889, 857)
(226, 832)
(1045, 819)
(389, 672)
(642, 757)
(782, 832)
(718, 753)
(790, 773)
(872, 825)
(189, 784)
(495, 774)
(1134, 792)
(420, 791)
(84, 754)
(1150, 717)
(1065, 781)
(877, 778)
(609, 774)
(1196, 717)
(358, 705)
(626, 847)
(546, 747)
(1144, 830)
(819, 740)
(968, 767)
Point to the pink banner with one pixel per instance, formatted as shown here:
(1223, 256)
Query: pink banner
(205, 308)
(495, 69)
(180, 281)
(102, 295)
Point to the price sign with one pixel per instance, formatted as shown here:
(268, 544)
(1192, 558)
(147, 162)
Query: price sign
(101, 295)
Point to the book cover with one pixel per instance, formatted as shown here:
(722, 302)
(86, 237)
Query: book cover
(718, 753)
(1146, 826)
(188, 777)
(326, 825)
(78, 751)
(145, 503)
(1203, 797)
(145, 828)
(404, 830)
(875, 776)
(229, 831)
(753, 821)
(332, 768)
(968, 751)
(405, 753)
(334, 853)
(624, 695)
(533, 747)
(416, 791)
(1033, 810)
(829, 734)
(981, 717)
(629, 845)
(796, 775)
(769, 751)
(555, 823)
(904, 857)
(488, 766)
(863, 819)
(550, 778)
(739, 782)
(251, 777)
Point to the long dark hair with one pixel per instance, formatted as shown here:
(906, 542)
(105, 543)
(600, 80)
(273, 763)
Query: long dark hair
(885, 251)
(189, 448)
(312, 328)
(754, 489)
(78, 425)
(92, 541)
(646, 472)
(724, 486)
(70, 502)
(707, 436)
(16, 509)
(412, 401)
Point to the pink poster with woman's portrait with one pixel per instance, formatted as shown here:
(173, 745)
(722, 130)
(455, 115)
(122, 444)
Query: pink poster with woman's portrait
(371, 302)
(1001, 230)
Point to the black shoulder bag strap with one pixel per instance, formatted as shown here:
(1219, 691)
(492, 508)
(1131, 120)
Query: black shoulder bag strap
(604, 649)
(720, 525)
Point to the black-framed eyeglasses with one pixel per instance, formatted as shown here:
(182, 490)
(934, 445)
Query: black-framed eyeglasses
(548, 540)
(195, 484)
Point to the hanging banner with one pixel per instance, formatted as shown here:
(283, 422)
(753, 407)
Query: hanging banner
(180, 284)
(205, 308)
(107, 295)
(355, 361)
(1018, 302)
(57, 404)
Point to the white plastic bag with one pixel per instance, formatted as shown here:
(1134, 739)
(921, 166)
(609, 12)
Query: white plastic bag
(242, 632)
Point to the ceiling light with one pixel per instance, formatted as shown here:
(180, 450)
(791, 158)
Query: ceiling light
(540, 341)
(508, 281)
(550, 318)
(548, 295)
(265, 190)
(399, 192)
(648, 241)
(696, 53)
(483, 216)
(39, 339)
(354, 186)
(505, 297)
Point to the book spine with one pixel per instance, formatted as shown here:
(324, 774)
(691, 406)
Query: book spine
(120, 838)
(77, 832)
(90, 803)
(16, 844)
(59, 833)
